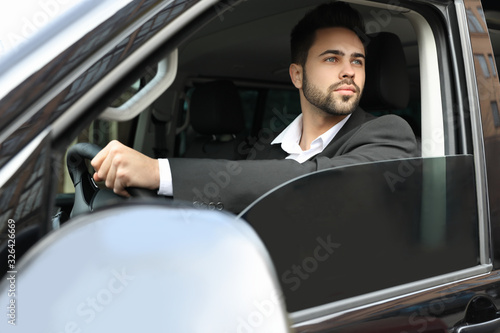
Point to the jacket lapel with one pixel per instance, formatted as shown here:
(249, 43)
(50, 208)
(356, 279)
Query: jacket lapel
(358, 117)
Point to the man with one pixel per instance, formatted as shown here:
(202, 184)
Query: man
(328, 69)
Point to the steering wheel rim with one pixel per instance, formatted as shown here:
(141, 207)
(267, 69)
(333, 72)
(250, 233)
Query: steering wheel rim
(88, 196)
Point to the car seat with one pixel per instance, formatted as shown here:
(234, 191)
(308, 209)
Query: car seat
(217, 118)
(387, 86)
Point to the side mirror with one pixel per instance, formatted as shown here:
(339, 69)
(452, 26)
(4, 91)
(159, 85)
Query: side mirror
(146, 268)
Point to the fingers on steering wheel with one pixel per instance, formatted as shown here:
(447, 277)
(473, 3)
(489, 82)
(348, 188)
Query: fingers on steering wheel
(96, 162)
(102, 163)
(119, 188)
(107, 164)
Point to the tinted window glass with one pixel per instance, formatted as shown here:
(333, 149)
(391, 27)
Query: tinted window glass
(347, 231)
(269, 109)
(249, 103)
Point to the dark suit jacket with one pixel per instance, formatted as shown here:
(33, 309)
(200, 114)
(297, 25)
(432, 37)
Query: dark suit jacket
(235, 184)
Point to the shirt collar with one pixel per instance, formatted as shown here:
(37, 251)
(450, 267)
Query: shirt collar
(290, 136)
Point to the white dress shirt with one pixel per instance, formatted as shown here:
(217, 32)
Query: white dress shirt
(289, 140)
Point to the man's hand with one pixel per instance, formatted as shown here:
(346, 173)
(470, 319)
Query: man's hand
(121, 167)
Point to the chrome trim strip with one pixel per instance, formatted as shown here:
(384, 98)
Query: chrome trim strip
(477, 137)
(328, 311)
(129, 63)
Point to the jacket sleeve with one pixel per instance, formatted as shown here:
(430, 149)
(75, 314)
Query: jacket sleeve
(233, 185)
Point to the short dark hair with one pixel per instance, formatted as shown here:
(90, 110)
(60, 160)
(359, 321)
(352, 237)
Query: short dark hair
(329, 15)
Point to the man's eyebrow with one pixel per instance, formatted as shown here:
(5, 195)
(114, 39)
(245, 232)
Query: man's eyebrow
(336, 52)
(341, 53)
(358, 55)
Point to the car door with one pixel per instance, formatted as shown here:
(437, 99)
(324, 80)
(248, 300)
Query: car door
(407, 245)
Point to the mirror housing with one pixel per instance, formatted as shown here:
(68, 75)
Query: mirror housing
(146, 267)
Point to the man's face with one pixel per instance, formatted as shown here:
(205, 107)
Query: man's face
(334, 74)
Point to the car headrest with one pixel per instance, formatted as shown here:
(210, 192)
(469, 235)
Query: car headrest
(216, 109)
(387, 85)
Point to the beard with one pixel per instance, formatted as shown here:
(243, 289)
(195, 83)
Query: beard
(326, 102)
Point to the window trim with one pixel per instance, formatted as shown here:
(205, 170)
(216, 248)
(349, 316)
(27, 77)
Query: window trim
(431, 92)
(331, 310)
(485, 250)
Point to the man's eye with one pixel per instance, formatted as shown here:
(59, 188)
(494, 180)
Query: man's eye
(331, 59)
(357, 62)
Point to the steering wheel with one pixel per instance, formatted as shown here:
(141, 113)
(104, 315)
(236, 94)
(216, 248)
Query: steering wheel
(88, 196)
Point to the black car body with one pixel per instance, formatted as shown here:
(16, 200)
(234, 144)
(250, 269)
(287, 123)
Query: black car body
(408, 245)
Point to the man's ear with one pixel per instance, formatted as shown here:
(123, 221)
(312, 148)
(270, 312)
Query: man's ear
(296, 74)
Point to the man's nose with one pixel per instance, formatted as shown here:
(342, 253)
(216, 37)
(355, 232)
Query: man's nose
(347, 72)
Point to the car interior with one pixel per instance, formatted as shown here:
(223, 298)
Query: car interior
(228, 84)
(249, 49)
(232, 83)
